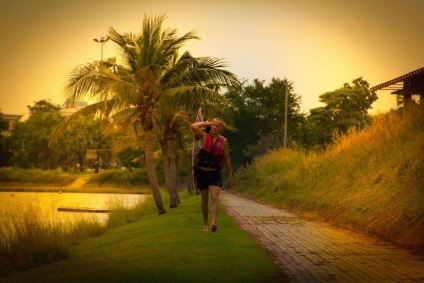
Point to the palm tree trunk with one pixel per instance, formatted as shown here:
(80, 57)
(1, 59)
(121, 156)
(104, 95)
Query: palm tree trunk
(166, 169)
(151, 173)
(173, 184)
(190, 178)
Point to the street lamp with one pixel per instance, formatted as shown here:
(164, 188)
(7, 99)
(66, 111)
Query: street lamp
(102, 40)
(285, 115)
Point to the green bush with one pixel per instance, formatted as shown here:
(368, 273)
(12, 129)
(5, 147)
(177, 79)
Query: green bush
(123, 177)
(35, 176)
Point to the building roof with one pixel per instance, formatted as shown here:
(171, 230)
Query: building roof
(12, 117)
(412, 82)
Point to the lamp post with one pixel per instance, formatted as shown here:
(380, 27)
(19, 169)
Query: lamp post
(102, 40)
(285, 115)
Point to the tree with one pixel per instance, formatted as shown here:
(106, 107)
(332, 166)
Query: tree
(345, 107)
(5, 154)
(86, 133)
(42, 106)
(30, 139)
(31, 146)
(260, 118)
(129, 93)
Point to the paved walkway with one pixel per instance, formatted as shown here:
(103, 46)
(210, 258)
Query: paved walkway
(312, 251)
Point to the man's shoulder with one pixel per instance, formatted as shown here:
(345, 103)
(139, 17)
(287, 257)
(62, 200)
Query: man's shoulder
(222, 140)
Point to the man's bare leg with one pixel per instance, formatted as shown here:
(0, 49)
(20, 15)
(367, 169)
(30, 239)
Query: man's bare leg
(214, 208)
(205, 200)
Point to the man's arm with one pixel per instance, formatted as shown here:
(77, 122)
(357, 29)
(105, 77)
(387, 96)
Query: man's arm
(197, 129)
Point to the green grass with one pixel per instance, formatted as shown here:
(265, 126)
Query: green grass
(371, 181)
(167, 248)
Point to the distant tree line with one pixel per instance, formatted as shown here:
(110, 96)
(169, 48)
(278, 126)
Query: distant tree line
(258, 127)
(28, 145)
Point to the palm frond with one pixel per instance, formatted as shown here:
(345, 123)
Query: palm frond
(191, 98)
(127, 47)
(90, 110)
(205, 71)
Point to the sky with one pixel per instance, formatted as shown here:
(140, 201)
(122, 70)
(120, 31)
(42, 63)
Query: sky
(318, 45)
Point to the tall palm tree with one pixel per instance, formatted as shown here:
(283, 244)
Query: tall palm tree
(129, 92)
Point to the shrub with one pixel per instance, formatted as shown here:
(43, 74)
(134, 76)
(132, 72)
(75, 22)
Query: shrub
(36, 176)
(123, 177)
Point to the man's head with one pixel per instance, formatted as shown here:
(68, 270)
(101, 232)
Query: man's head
(217, 126)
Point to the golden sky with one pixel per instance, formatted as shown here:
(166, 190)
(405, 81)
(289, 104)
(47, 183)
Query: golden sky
(317, 44)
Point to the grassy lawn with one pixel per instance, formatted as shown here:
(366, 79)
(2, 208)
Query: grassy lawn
(167, 248)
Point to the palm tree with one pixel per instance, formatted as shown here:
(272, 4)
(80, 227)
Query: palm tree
(128, 93)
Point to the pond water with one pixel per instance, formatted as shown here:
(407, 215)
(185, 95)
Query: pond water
(13, 204)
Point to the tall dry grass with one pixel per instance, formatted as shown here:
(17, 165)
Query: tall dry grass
(371, 180)
(27, 240)
(123, 213)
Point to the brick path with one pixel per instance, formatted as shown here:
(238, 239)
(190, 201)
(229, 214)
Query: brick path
(312, 251)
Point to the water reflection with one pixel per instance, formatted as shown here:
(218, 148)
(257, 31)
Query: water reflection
(14, 203)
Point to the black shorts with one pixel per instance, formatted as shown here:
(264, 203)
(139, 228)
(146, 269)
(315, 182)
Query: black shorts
(204, 179)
